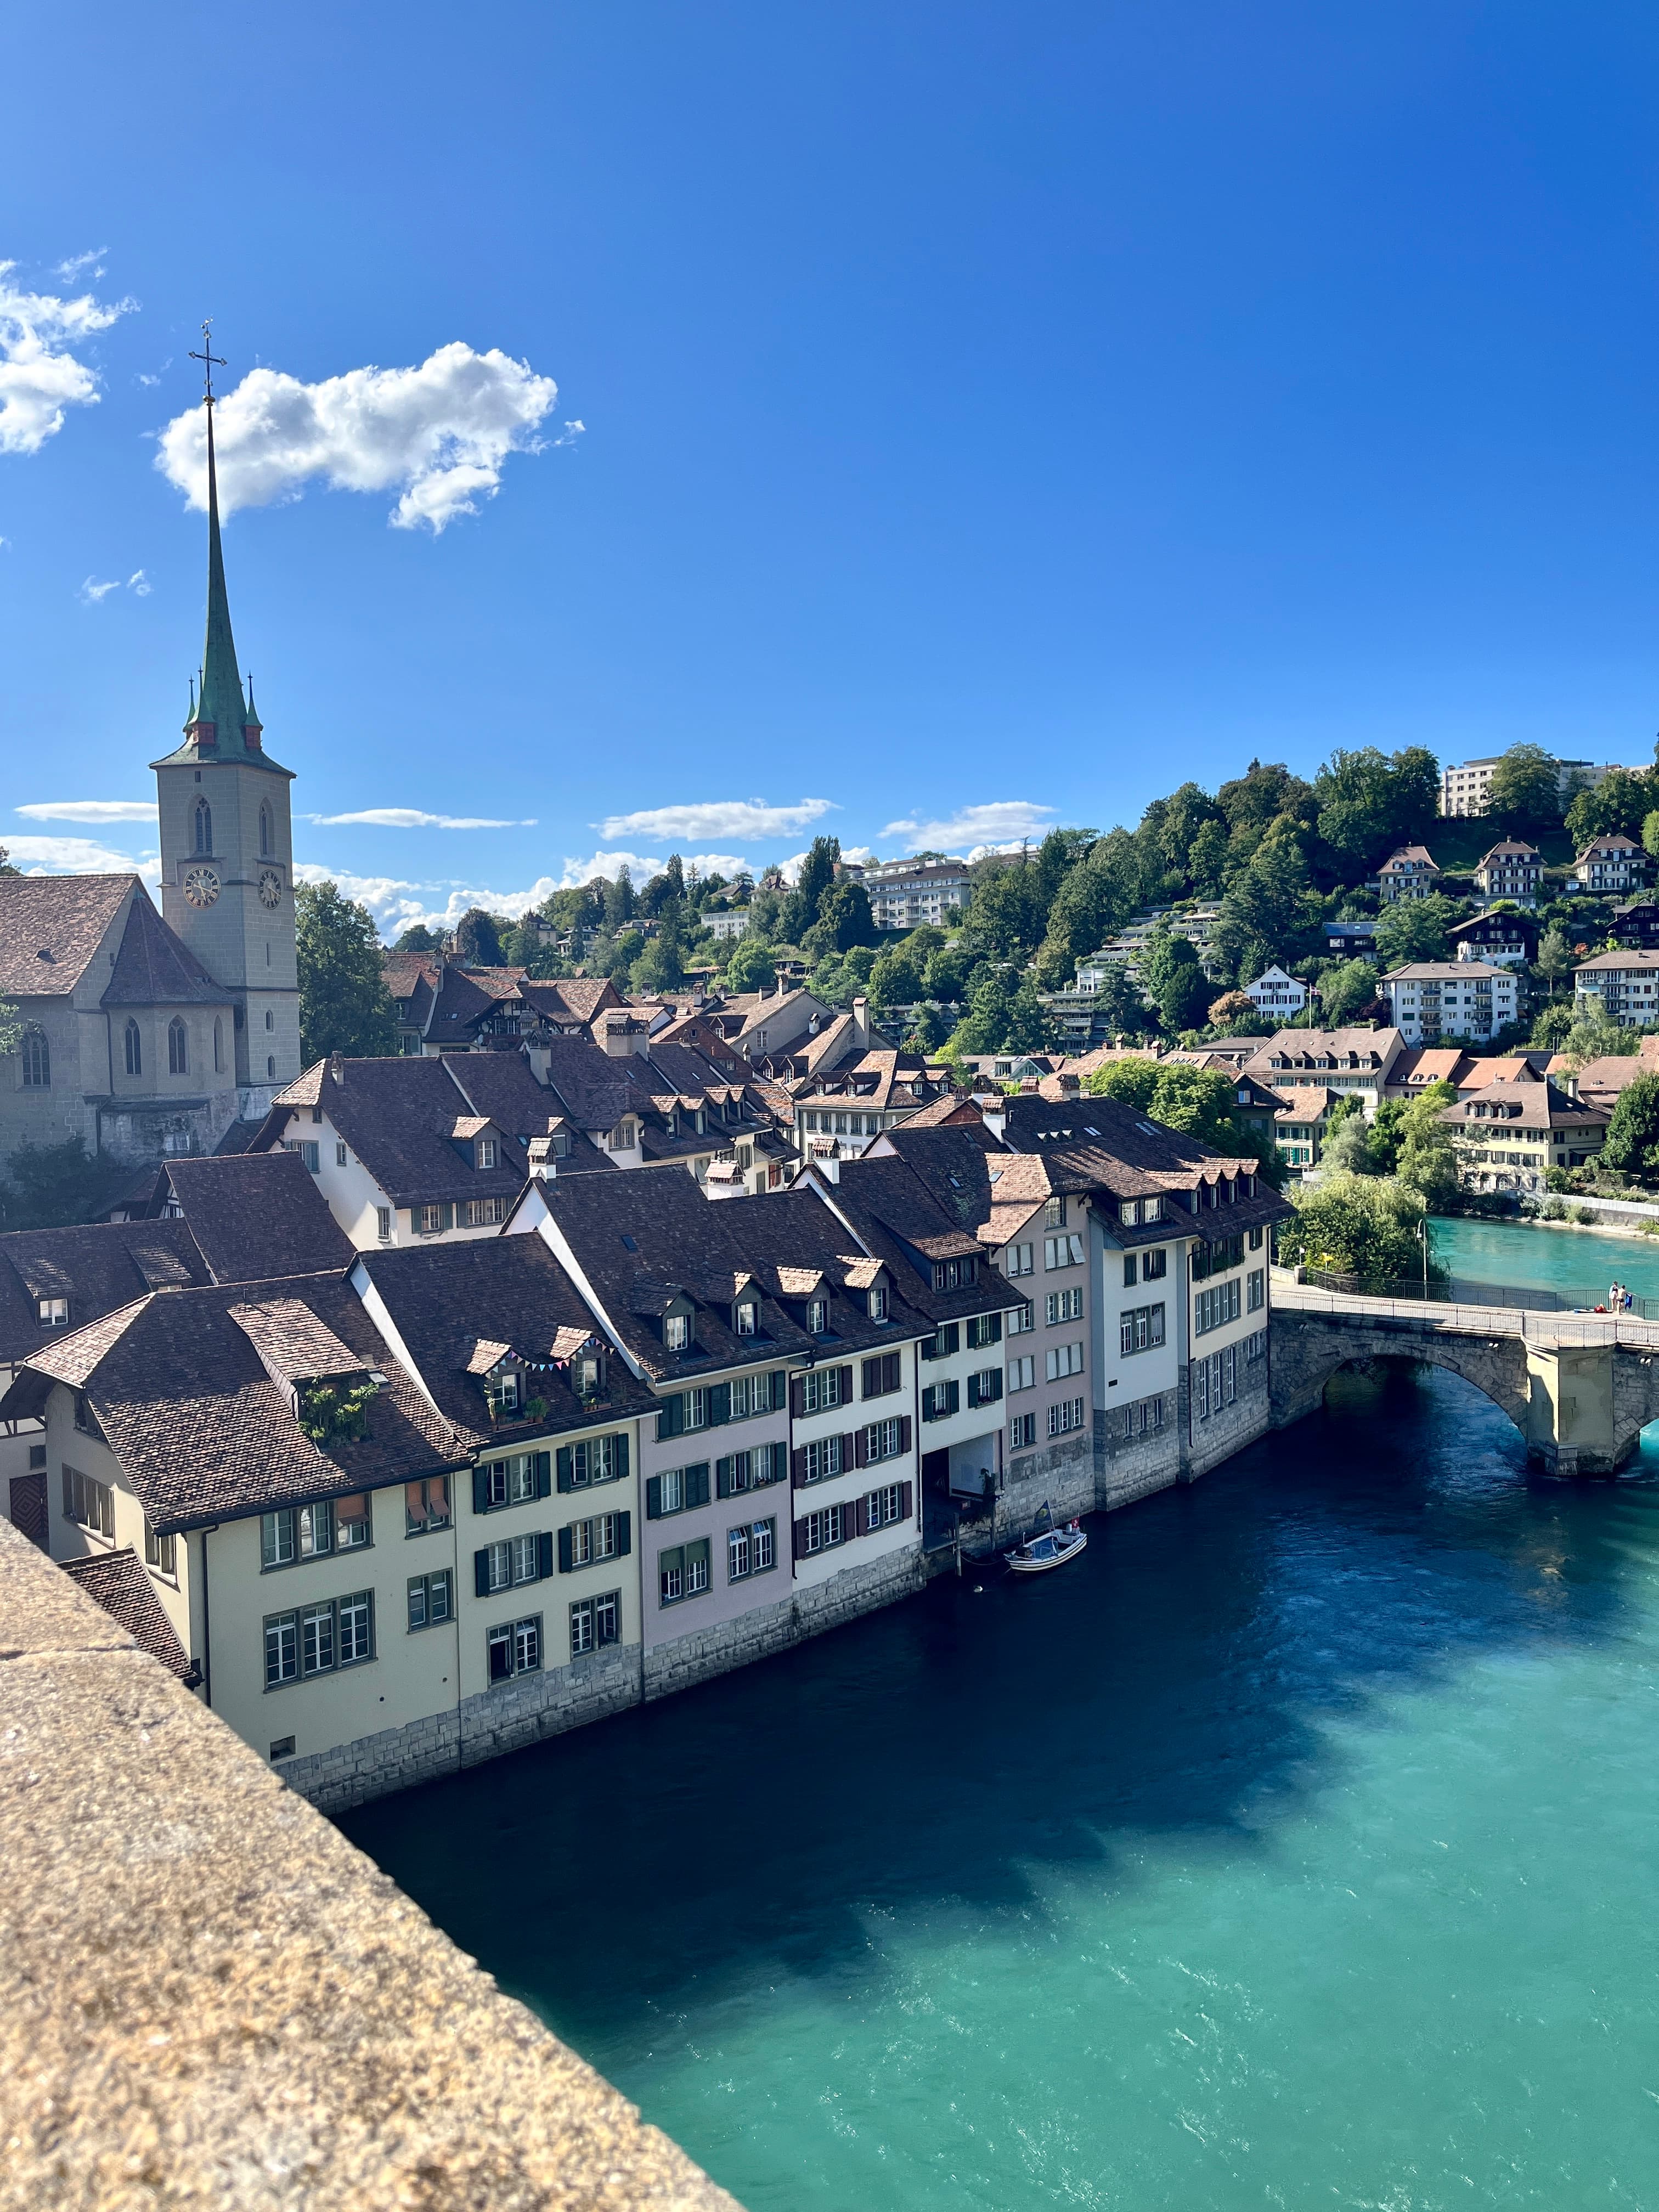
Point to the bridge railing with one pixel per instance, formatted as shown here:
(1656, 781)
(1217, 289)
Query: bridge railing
(1461, 1289)
(1474, 1320)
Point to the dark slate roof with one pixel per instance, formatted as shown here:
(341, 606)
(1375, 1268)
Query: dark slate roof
(63, 918)
(98, 1268)
(153, 968)
(238, 1137)
(396, 1115)
(1101, 1145)
(444, 1299)
(954, 1164)
(793, 1237)
(897, 1218)
(503, 1086)
(120, 1583)
(202, 1431)
(467, 997)
(568, 999)
(257, 1214)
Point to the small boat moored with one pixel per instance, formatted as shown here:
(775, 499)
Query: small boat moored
(1051, 1549)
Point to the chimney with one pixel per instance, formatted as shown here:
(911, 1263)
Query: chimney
(336, 1069)
(540, 1057)
(861, 1021)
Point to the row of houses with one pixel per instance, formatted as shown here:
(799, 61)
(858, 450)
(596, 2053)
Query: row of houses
(1512, 869)
(395, 1508)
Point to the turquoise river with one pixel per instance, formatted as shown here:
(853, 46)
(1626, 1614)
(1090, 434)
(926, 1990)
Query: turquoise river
(1296, 1847)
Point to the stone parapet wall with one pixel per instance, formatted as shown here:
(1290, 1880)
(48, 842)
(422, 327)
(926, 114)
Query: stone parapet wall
(240, 2011)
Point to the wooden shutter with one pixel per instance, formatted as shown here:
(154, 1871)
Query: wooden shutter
(719, 1404)
(624, 1534)
(894, 1371)
(671, 1418)
(565, 1562)
(481, 1573)
(993, 1328)
(696, 1484)
(798, 1465)
(780, 1389)
(797, 1397)
(723, 1477)
(800, 1539)
(622, 1456)
(861, 1512)
(544, 1474)
(905, 1433)
(846, 1386)
(567, 1467)
(543, 1553)
(480, 1491)
(849, 1451)
(907, 1495)
(860, 1441)
(654, 1497)
(873, 1378)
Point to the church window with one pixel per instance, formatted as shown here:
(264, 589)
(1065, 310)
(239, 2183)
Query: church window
(178, 1047)
(135, 1045)
(264, 833)
(37, 1061)
(218, 1044)
(271, 1068)
(204, 826)
(270, 1019)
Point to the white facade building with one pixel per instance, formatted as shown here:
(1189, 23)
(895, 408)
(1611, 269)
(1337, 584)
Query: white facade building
(1432, 998)
(1276, 995)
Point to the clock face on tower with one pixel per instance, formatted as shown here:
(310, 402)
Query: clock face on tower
(200, 886)
(270, 888)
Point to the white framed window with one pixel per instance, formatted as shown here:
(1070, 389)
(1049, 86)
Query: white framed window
(340, 1155)
(885, 1439)
(822, 1530)
(1062, 1252)
(595, 1622)
(1022, 1432)
(485, 1152)
(1021, 1319)
(677, 1332)
(383, 1224)
(820, 1389)
(1054, 1214)
(1064, 1305)
(746, 1313)
(431, 1600)
(515, 1648)
(161, 1553)
(1018, 1259)
(1140, 1328)
(878, 1302)
(884, 1507)
(682, 1572)
(750, 1549)
(1021, 1372)
(52, 1313)
(822, 1459)
(1065, 1416)
(818, 1316)
(1063, 1359)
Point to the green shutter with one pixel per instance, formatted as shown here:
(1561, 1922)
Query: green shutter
(671, 1418)
(780, 1389)
(544, 1474)
(621, 1458)
(544, 1553)
(719, 1404)
(696, 1484)
(722, 1478)
(481, 1573)
(654, 1497)
(567, 1467)
(624, 1534)
(480, 1491)
(564, 1551)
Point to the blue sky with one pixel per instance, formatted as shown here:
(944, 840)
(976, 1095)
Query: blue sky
(989, 415)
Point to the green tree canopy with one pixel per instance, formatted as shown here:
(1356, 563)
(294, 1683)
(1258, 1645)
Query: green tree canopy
(1030, 1026)
(1618, 804)
(1263, 793)
(477, 938)
(1370, 802)
(1555, 955)
(1415, 929)
(1632, 1139)
(844, 920)
(417, 937)
(752, 966)
(1197, 1101)
(55, 1186)
(1354, 1225)
(1526, 787)
(1346, 991)
(984, 1028)
(344, 1005)
(1174, 981)
(818, 873)
(1271, 913)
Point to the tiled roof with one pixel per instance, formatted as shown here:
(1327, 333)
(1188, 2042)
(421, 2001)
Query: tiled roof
(396, 1115)
(1510, 848)
(1305, 1103)
(1439, 972)
(202, 1432)
(1640, 961)
(571, 998)
(1531, 1106)
(153, 967)
(1100, 1144)
(257, 1214)
(1418, 1065)
(1405, 856)
(51, 925)
(1375, 1050)
(293, 1344)
(98, 1269)
(120, 1583)
(896, 1217)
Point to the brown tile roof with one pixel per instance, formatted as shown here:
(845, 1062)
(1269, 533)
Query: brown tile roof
(1601, 1081)
(293, 1344)
(900, 1221)
(98, 1268)
(510, 1292)
(202, 1432)
(255, 1215)
(120, 1583)
(51, 925)
(1530, 1106)
(153, 968)
(1100, 1144)
(571, 998)
(396, 1115)
(1299, 1051)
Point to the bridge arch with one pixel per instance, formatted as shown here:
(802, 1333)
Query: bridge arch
(1303, 1367)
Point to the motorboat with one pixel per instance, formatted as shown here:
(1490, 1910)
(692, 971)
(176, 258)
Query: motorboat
(1051, 1549)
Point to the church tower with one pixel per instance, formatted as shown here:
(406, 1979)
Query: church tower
(228, 846)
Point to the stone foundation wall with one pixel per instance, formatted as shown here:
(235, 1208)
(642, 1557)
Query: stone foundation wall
(805, 1612)
(1064, 1475)
(1228, 1431)
(1129, 1468)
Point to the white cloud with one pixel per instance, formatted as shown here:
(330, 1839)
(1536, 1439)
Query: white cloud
(396, 903)
(88, 809)
(70, 269)
(1007, 822)
(40, 377)
(441, 433)
(716, 817)
(78, 856)
(411, 817)
(91, 594)
(139, 583)
(572, 432)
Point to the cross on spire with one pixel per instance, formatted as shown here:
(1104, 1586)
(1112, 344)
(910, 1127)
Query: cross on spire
(209, 359)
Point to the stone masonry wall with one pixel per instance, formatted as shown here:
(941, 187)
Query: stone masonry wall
(1063, 1475)
(1130, 1467)
(1228, 1431)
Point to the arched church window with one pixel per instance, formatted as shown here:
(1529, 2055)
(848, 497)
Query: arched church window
(218, 1044)
(37, 1061)
(135, 1045)
(178, 1047)
(204, 826)
(264, 833)
(270, 1066)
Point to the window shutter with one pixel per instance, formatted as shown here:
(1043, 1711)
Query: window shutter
(624, 1534)
(798, 1465)
(481, 1574)
(671, 1418)
(654, 1497)
(696, 1484)
(993, 1328)
(480, 1491)
(621, 1458)
(860, 1441)
(780, 1389)
(719, 1404)
(448, 1217)
(907, 1495)
(543, 1554)
(566, 1563)
(905, 1433)
(797, 1397)
(722, 1478)
(849, 1451)
(894, 1371)
(846, 1386)
(544, 1474)
(567, 1467)
(800, 1539)
(873, 1378)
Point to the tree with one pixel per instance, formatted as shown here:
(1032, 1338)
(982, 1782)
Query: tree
(1369, 803)
(619, 900)
(1526, 787)
(1197, 1101)
(1427, 1160)
(1415, 929)
(661, 966)
(1030, 1026)
(1363, 1225)
(1650, 832)
(844, 919)
(984, 1028)
(1120, 1005)
(930, 1029)
(1206, 860)
(1554, 953)
(417, 937)
(818, 873)
(1345, 992)
(1270, 912)
(344, 1005)
(1262, 795)
(1632, 1140)
(1173, 979)
(753, 965)
(1347, 1148)
(56, 1185)
(1231, 1008)
(1618, 806)
(478, 938)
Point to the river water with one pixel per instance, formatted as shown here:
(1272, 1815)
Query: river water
(1295, 1847)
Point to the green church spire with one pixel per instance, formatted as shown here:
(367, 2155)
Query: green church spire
(221, 703)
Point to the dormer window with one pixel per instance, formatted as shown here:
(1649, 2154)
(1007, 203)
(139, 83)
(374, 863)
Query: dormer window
(1129, 1212)
(818, 1316)
(746, 1317)
(621, 1137)
(677, 1332)
(1054, 1214)
(1152, 1209)
(53, 1312)
(587, 1374)
(483, 1152)
(955, 1274)
(508, 1397)
(878, 1302)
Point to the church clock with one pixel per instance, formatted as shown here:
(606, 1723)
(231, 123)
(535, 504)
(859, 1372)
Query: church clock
(200, 886)
(270, 888)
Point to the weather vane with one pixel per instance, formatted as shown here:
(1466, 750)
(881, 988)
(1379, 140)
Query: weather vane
(209, 359)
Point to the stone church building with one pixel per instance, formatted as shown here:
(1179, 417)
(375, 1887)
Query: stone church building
(147, 1035)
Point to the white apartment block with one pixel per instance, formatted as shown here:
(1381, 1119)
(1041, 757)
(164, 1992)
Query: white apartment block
(1466, 786)
(1432, 998)
(905, 894)
(1625, 983)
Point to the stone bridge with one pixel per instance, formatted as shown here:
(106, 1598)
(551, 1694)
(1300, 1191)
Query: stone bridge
(1580, 1390)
